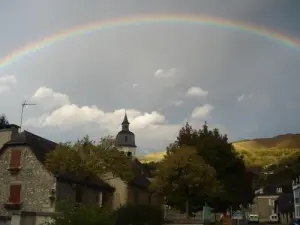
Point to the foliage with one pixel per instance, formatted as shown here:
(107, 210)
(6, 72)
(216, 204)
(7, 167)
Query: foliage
(88, 158)
(184, 176)
(83, 214)
(3, 121)
(231, 172)
(139, 215)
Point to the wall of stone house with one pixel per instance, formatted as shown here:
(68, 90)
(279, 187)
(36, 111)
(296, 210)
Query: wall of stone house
(67, 191)
(120, 194)
(7, 134)
(138, 195)
(36, 182)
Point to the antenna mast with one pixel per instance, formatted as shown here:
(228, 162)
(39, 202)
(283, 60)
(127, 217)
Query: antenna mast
(22, 111)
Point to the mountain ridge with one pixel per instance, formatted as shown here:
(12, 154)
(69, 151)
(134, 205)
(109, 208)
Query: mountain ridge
(257, 151)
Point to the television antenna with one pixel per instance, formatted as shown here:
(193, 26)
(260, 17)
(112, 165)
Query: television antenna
(22, 111)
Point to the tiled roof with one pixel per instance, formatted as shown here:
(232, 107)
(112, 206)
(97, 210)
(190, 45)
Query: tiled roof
(272, 190)
(140, 174)
(40, 147)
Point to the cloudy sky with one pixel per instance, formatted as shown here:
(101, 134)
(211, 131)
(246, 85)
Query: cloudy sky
(163, 74)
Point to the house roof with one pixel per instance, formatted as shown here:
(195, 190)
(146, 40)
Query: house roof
(285, 203)
(40, 147)
(272, 190)
(140, 174)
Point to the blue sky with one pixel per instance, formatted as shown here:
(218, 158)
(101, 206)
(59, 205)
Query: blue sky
(162, 74)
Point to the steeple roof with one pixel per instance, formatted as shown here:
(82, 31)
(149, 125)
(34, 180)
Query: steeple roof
(125, 120)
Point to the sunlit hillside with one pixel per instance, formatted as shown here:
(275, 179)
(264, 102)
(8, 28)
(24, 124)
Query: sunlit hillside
(257, 152)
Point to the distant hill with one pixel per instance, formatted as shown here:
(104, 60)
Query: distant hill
(261, 152)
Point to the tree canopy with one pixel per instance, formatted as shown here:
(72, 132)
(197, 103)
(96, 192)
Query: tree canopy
(184, 176)
(216, 151)
(3, 121)
(89, 158)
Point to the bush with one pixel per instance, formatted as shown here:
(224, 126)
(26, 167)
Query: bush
(139, 215)
(83, 215)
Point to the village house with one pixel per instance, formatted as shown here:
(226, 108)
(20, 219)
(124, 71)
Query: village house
(264, 200)
(31, 191)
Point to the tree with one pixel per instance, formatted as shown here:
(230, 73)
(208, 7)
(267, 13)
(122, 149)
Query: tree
(107, 142)
(88, 158)
(82, 214)
(3, 121)
(230, 168)
(182, 177)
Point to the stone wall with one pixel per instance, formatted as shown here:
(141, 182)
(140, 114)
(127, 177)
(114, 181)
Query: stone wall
(67, 191)
(36, 182)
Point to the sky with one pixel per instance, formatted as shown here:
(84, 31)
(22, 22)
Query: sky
(162, 74)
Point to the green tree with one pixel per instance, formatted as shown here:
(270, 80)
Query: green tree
(88, 158)
(3, 121)
(107, 143)
(183, 177)
(231, 172)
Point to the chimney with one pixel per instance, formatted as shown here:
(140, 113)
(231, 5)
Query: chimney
(7, 133)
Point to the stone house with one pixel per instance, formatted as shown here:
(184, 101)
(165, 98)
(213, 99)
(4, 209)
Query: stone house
(264, 200)
(31, 191)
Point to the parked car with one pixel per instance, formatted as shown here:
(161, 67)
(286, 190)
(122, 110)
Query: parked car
(253, 218)
(273, 218)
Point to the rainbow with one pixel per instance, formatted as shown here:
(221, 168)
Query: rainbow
(149, 19)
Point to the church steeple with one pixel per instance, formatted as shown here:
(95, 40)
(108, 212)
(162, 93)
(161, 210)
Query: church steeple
(125, 139)
(125, 123)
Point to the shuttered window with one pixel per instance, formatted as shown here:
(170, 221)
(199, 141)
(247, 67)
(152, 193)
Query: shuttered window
(15, 193)
(15, 158)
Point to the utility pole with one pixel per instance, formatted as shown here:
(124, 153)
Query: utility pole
(22, 111)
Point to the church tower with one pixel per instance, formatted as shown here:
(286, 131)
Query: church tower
(125, 139)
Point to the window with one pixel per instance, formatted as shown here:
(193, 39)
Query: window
(15, 158)
(279, 190)
(126, 138)
(15, 194)
(100, 199)
(271, 202)
(78, 194)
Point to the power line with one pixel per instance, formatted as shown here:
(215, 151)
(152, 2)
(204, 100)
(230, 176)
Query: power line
(22, 111)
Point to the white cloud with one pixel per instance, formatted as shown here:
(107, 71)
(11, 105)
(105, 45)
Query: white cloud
(161, 73)
(243, 97)
(240, 98)
(149, 125)
(47, 99)
(6, 82)
(202, 112)
(135, 85)
(196, 92)
(177, 103)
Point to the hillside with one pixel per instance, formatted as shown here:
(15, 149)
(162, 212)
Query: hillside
(261, 152)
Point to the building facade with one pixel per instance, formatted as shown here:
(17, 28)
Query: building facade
(30, 190)
(264, 200)
(296, 194)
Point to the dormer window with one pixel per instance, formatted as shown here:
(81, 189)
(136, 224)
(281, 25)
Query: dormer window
(279, 190)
